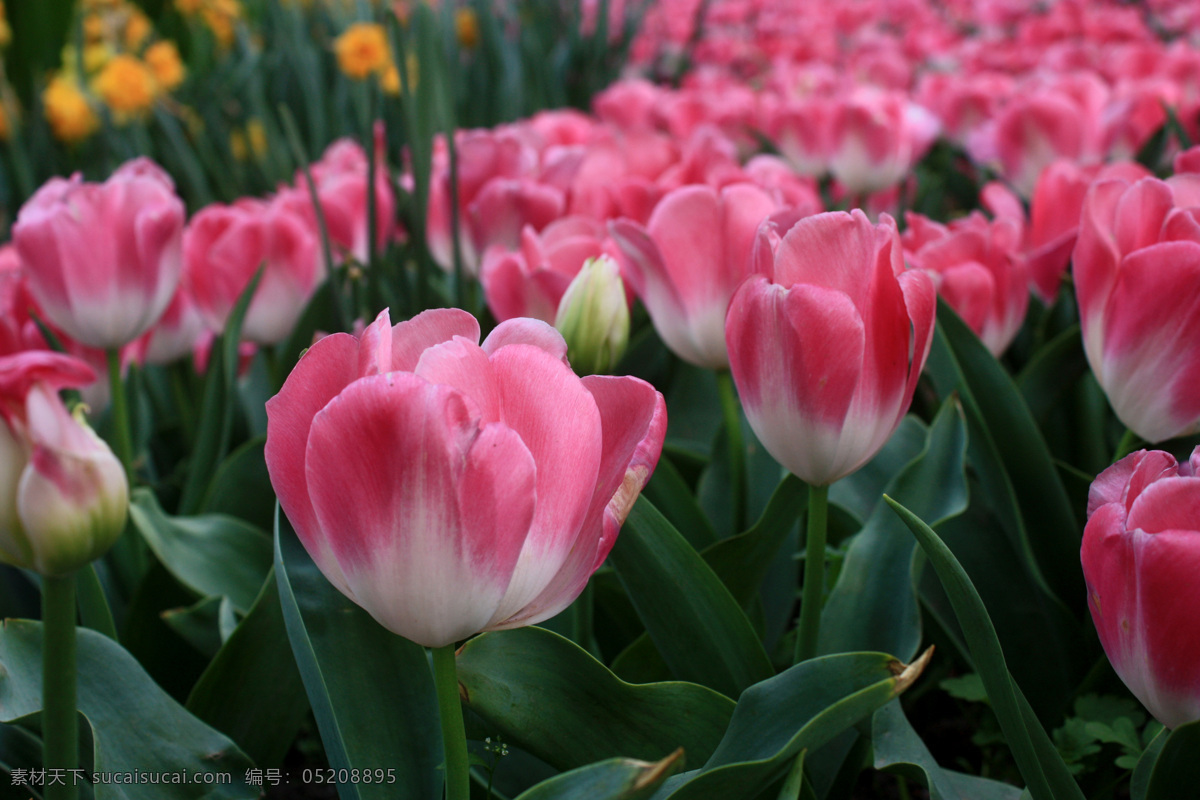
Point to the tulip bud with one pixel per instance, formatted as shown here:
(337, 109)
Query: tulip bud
(65, 495)
(594, 318)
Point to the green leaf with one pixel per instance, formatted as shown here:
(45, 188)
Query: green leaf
(792, 786)
(199, 624)
(1048, 377)
(858, 493)
(1001, 416)
(614, 779)
(873, 605)
(799, 709)
(533, 685)
(1176, 770)
(242, 488)
(1041, 766)
(968, 687)
(371, 690)
(135, 725)
(220, 401)
(94, 612)
(252, 690)
(695, 622)
(899, 749)
(213, 555)
(671, 495)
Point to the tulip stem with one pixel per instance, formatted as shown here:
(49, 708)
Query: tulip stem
(454, 734)
(737, 448)
(60, 725)
(120, 412)
(1130, 441)
(814, 575)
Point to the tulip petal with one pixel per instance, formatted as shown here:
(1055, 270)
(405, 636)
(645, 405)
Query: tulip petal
(424, 548)
(326, 369)
(1150, 367)
(463, 365)
(411, 338)
(634, 419)
(557, 419)
(531, 332)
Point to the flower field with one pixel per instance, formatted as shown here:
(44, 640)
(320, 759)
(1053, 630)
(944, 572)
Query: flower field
(599, 399)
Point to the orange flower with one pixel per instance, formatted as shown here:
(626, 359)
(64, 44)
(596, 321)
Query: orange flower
(163, 59)
(466, 27)
(126, 85)
(362, 49)
(71, 118)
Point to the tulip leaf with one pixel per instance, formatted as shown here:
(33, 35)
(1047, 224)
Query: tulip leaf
(94, 612)
(697, 625)
(198, 624)
(220, 400)
(134, 724)
(1171, 768)
(242, 487)
(899, 749)
(671, 495)
(874, 604)
(1048, 377)
(614, 779)
(251, 690)
(370, 690)
(1001, 418)
(858, 493)
(1037, 759)
(213, 555)
(799, 709)
(550, 697)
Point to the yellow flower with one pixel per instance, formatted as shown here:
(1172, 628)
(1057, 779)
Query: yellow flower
(137, 28)
(237, 144)
(188, 7)
(3, 124)
(126, 85)
(466, 27)
(220, 16)
(93, 28)
(362, 49)
(71, 118)
(163, 59)
(389, 81)
(95, 56)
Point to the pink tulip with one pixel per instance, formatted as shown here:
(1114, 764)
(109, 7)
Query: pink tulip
(1141, 554)
(977, 267)
(66, 496)
(531, 281)
(827, 344)
(103, 259)
(341, 180)
(179, 331)
(688, 260)
(223, 248)
(1137, 280)
(448, 487)
(876, 138)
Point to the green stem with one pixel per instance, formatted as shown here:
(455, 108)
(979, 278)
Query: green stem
(1129, 442)
(454, 734)
(120, 412)
(814, 575)
(60, 726)
(737, 448)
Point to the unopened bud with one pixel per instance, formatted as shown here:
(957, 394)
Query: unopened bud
(593, 316)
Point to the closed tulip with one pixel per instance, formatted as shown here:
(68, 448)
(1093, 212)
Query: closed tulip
(225, 245)
(827, 343)
(689, 258)
(449, 487)
(1141, 555)
(63, 494)
(103, 259)
(1137, 280)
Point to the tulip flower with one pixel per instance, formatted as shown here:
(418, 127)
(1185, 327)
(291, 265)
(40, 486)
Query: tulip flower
(1140, 555)
(687, 261)
(593, 317)
(978, 269)
(449, 487)
(103, 259)
(65, 493)
(826, 344)
(875, 138)
(1137, 280)
(224, 247)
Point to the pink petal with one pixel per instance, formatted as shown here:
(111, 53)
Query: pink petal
(531, 332)
(410, 339)
(439, 510)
